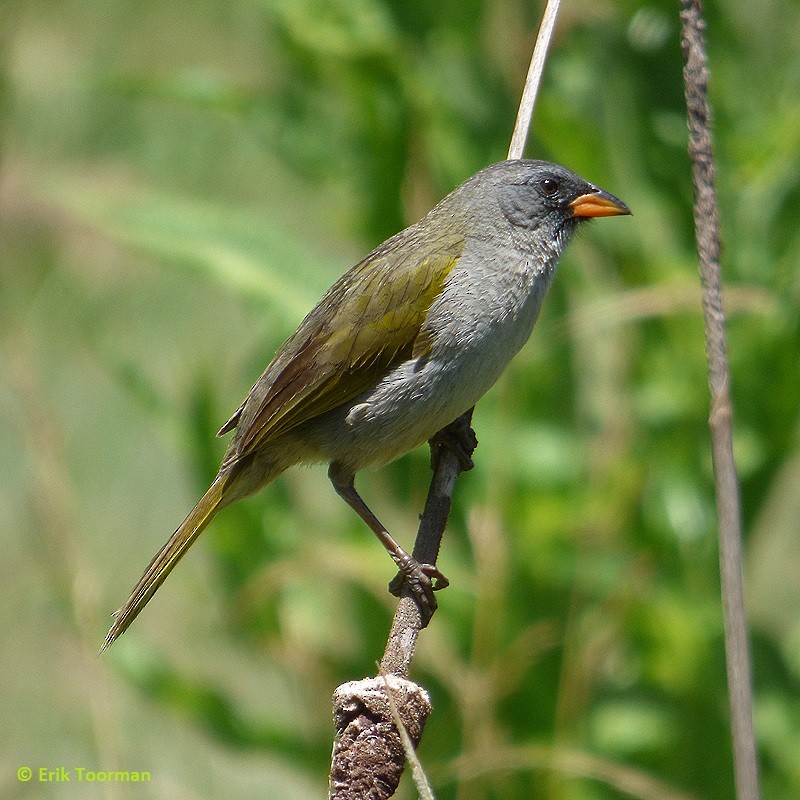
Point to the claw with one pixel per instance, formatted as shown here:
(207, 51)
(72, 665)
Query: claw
(422, 581)
(459, 438)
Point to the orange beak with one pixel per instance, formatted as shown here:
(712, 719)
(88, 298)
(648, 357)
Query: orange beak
(598, 204)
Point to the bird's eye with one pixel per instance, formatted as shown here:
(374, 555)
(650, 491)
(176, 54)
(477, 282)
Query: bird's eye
(549, 186)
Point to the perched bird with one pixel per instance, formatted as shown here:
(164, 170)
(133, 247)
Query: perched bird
(401, 345)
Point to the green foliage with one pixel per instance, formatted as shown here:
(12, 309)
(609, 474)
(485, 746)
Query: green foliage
(181, 181)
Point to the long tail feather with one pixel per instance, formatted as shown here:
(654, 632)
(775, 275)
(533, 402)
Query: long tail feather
(166, 558)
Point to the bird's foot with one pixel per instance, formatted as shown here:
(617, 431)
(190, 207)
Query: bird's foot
(459, 438)
(422, 581)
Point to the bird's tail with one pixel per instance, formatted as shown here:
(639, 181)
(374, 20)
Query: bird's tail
(167, 557)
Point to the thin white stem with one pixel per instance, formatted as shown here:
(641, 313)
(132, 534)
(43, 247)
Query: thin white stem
(525, 113)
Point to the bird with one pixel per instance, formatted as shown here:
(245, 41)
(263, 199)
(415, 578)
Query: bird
(401, 345)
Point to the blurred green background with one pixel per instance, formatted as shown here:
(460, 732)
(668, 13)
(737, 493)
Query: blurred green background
(179, 182)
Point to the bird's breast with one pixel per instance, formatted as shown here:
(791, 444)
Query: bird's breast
(488, 309)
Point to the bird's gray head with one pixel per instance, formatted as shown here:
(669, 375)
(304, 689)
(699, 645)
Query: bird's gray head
(536, 201)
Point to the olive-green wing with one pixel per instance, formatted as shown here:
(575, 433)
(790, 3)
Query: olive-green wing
(368, 322)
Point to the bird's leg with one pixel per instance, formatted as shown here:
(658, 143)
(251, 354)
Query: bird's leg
(419, 577)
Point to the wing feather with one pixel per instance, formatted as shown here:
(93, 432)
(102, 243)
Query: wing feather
(368, 322)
